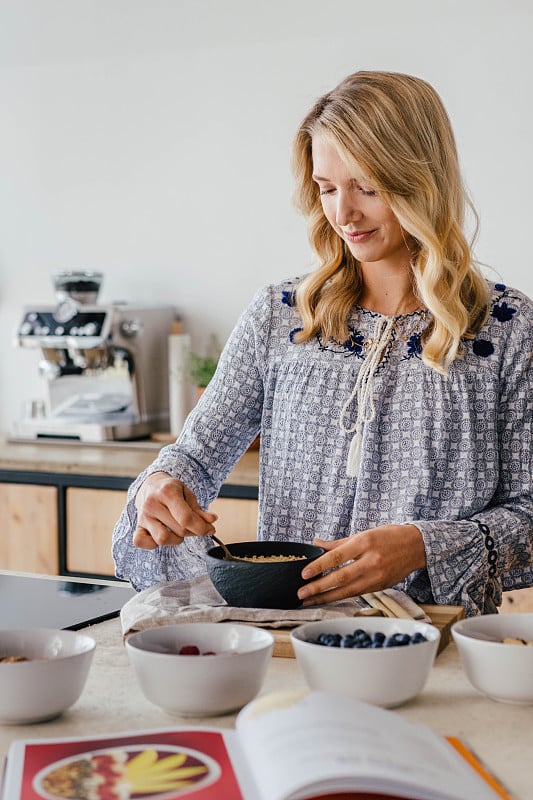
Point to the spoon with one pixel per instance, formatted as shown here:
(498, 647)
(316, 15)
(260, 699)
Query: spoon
(227, 554)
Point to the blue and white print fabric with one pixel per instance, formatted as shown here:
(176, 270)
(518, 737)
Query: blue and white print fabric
(447, 453)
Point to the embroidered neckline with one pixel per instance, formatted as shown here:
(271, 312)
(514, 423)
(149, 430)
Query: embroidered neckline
(418, 311)
(374, 350)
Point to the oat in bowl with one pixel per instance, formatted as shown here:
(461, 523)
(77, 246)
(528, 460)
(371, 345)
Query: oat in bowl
(12, 659)
(495, 656)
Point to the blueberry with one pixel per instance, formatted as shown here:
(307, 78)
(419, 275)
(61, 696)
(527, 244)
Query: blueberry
(361, 637)
(330, 639)
(347, 641)
(398, 640)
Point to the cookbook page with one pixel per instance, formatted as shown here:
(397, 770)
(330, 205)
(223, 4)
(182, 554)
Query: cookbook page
(299, 744)
(162, 765)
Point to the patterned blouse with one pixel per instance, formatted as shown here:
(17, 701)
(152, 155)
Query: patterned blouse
(453, 455)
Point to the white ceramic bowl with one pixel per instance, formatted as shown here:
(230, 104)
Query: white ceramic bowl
(50, 681)
(385, 677)
(200, 685)
(503, 672)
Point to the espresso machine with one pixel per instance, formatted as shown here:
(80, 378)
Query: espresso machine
(104, 367)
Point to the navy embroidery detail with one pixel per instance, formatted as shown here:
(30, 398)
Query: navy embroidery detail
(289, 298)
(414, 345)
(490, 544)
(355, 342)
(292, 334)
(503, 312)
(483, 348)
(501, 287)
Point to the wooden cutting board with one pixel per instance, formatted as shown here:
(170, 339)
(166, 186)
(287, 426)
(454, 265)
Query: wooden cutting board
(442, 617)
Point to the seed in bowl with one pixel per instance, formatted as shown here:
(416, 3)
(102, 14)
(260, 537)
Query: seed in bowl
(361, 639)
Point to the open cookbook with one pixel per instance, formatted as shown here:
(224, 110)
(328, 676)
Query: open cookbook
(285, 746)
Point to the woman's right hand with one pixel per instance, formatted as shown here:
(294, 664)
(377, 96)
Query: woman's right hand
(167, 511)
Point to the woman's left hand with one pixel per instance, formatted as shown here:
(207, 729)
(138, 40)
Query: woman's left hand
(369, 561)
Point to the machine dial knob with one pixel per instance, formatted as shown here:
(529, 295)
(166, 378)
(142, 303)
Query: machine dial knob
(130, 328)
(65, 310)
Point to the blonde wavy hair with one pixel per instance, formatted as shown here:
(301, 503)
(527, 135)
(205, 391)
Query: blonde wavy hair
(395, 128)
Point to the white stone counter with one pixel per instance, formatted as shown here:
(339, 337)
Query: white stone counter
(501, 734)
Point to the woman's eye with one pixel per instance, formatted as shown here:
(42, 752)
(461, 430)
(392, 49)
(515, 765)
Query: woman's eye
(364, 190)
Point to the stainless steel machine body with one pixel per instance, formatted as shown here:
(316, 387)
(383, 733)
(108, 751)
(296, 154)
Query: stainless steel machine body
(105, 370)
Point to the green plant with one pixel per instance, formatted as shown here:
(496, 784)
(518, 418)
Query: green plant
(202, 368)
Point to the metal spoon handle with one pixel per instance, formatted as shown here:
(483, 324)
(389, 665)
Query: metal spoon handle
(227, 553)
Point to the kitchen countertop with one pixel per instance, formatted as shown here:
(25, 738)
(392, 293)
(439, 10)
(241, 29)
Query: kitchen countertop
(501, 734)
(117, 459)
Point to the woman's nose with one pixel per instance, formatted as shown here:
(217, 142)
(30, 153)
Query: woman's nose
(347, 209)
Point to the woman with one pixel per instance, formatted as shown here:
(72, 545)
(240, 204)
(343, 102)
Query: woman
(392, 386)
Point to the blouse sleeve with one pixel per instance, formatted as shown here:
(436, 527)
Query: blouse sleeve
(470, 561)
(218, 430)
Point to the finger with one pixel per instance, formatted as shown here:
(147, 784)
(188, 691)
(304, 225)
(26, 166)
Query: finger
(142, 539)
(190, 523)
(154, 514)
(331, 596)
(339, 554)
(343, 581)
(186, 517)
(328, 544)
(158, 533)
(171, 512)
(207, 516)
(321, 585)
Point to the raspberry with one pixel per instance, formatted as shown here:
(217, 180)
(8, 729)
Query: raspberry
(189, 650)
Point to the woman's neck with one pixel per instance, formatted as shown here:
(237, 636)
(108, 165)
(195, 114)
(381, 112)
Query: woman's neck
(388, 292)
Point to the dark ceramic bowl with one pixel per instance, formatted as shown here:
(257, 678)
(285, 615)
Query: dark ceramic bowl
(272, 584)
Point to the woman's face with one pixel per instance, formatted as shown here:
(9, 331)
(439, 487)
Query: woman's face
(356, 212)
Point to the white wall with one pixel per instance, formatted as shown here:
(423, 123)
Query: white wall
(150, 139)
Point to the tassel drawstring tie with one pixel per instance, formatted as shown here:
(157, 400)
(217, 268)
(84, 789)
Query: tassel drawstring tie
(363, 393)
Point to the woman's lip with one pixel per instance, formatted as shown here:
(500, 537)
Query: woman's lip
(358, 236)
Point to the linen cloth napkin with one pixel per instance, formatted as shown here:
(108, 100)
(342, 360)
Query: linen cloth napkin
(197, 600)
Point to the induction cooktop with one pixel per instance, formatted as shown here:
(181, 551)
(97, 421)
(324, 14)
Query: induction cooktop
(28, 601)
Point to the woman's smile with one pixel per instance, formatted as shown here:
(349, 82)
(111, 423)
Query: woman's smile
(358, 236)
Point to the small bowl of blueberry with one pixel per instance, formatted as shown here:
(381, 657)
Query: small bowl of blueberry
(378, 660)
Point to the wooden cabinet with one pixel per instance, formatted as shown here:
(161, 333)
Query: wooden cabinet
(237, 519)
(91, 515)
(66, 529)
(59, 503)
(28, 535)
